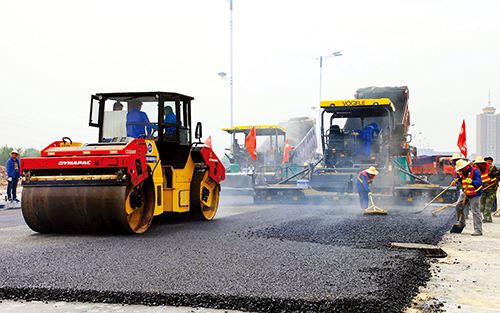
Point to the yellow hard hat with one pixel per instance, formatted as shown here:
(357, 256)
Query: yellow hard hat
(14, 152)
(461, 164)
(372, 170)
(455, 156)
(479, 159)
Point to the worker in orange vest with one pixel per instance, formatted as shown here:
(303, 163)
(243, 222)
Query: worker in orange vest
(461, 207)
(472, 184)
(496, 172)
(490, 185)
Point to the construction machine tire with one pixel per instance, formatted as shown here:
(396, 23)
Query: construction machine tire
(89, 209)
(204, 196)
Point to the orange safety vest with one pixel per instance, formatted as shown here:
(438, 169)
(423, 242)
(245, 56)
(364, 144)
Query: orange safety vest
(485, 177)
(469, 189)
(365, 174)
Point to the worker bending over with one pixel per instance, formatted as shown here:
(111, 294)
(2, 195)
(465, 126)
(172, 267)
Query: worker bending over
(365, 178)
(470, 179)
(489, 188)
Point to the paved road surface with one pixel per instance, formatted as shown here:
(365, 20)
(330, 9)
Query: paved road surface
(254, 258)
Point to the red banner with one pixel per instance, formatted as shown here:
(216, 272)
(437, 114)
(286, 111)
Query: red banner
(462, 140)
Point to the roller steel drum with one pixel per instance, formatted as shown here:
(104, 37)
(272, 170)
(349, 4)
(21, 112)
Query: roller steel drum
(87, 209)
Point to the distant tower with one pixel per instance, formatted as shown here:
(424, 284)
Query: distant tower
(488, 132)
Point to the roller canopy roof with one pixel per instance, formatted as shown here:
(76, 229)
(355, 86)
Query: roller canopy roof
(144, 96)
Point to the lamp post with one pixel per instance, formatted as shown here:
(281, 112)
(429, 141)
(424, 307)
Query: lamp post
(231, 63)
(224, 76)
(321, 58)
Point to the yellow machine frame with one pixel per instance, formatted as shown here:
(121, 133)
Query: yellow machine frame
(177, 198)
(260, 130)
(357, 103)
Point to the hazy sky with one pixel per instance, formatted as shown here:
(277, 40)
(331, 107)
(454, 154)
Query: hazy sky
(54, 54)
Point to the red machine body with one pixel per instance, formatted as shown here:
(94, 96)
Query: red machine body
(129, 157)
(216, 169)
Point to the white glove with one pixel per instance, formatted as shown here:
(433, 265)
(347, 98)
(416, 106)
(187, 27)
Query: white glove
(9, 179)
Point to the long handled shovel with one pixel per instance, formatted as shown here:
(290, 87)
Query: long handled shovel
(373, 209)
(436, 197)
(457, 229)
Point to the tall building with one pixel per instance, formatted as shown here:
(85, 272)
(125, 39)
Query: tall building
(488, 133)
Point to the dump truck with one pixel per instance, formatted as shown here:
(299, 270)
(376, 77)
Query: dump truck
(436, 169)
(370, 130)
(145, 163)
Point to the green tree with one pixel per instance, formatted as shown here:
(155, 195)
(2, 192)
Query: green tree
(6, 150)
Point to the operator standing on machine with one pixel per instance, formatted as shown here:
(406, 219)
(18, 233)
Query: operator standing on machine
(365, 178)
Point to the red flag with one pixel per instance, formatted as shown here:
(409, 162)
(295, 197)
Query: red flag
(251, 143)
(208, 142)
(286, 152)
(462, 140)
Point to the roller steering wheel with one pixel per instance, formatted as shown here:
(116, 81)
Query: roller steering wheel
(66, 140)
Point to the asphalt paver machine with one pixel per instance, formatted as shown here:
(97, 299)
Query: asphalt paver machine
(370, 130)
(144, 164)
(270, 141)
(356, 134)
(242, 173)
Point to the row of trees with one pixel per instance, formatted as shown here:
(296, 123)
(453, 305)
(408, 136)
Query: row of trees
(24, 152)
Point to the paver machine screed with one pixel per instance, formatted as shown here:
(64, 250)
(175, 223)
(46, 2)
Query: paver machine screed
(145, 163)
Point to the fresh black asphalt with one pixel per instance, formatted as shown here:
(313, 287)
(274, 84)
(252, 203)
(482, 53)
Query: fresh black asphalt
(272, 258)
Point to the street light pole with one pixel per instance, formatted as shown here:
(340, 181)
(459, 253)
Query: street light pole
(335, 54)
(230, 79)
(231, 65)
(320, 76)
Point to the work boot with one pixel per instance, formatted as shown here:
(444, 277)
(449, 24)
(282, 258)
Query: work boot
(16, 200)
(459, 224)
(476, 234)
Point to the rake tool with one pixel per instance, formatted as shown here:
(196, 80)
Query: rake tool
(436, 197)
(373, 209)
(434, 213)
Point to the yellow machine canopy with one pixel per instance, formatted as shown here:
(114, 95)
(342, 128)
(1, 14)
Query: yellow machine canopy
(260, 130)
(358, 107)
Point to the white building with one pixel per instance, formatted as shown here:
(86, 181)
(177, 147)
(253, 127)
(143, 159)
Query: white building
(488, 133)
